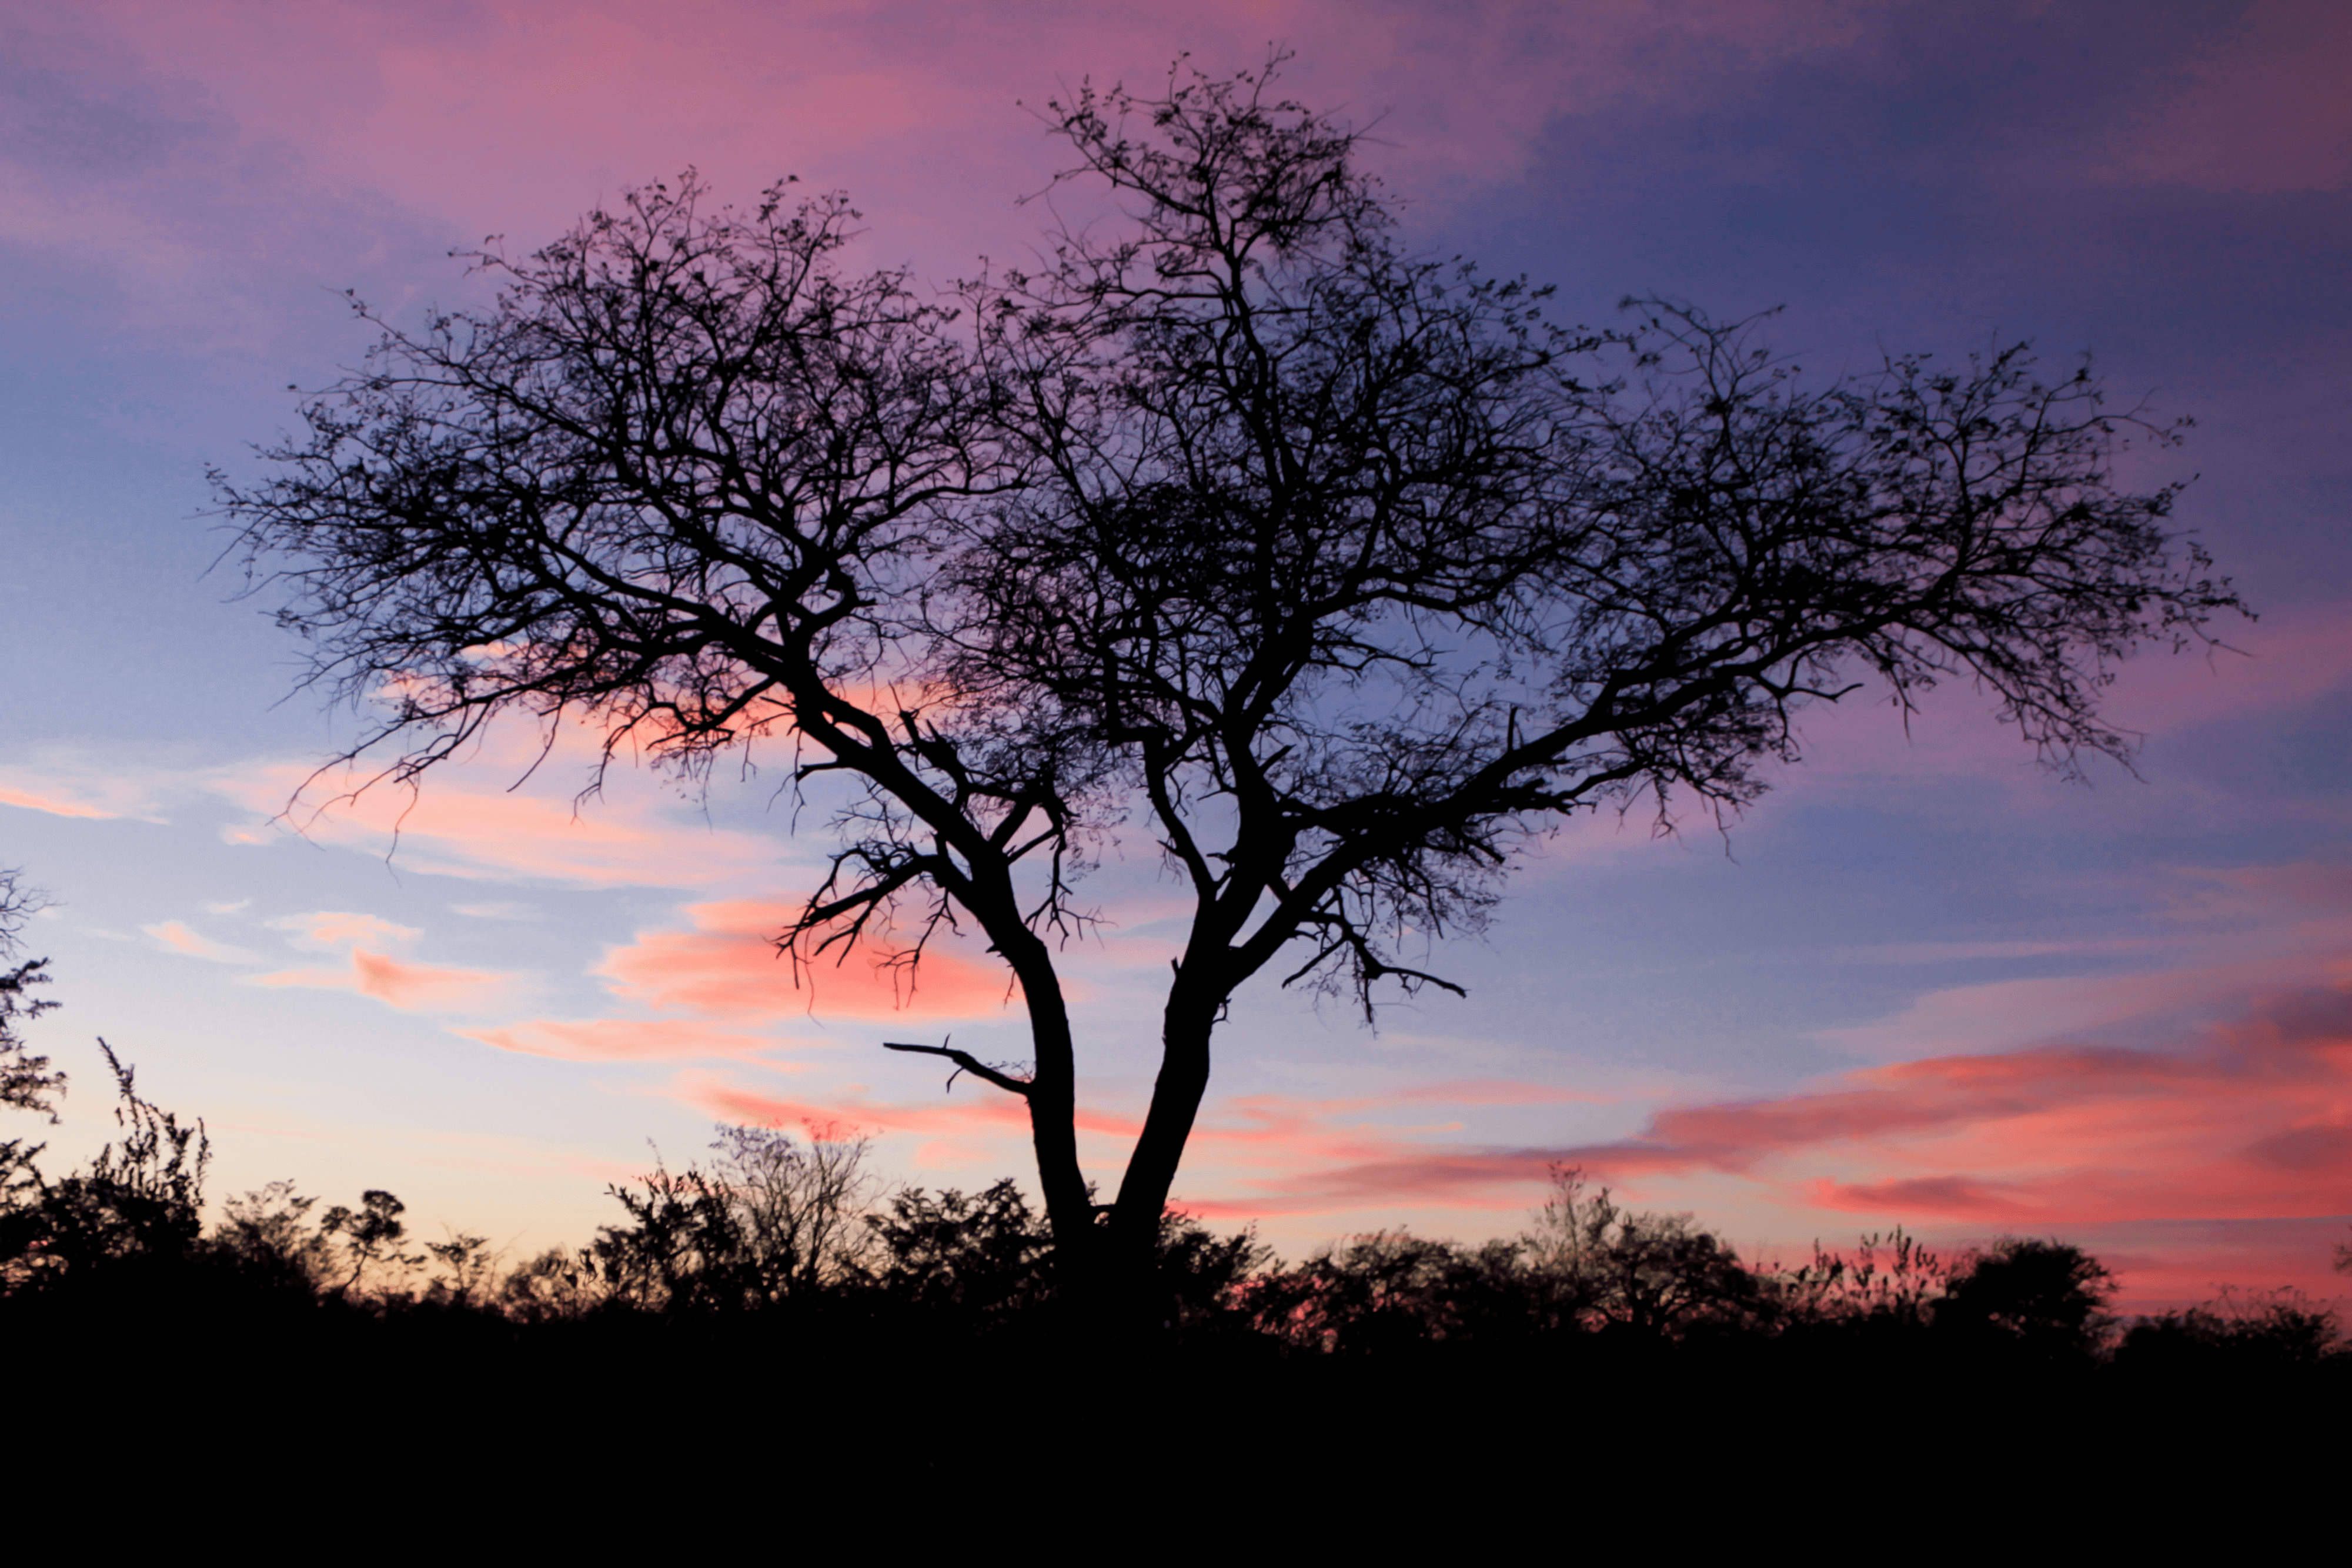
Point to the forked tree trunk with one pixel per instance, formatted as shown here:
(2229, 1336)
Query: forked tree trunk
(1186, 1025)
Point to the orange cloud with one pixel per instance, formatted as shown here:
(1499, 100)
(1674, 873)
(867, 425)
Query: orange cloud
(2250, 1119)
(55, 804)
(71, 790)
(993, 1115)
(329, 929)
(619, 1039)
(427, 988)
(178, 938)
(728, 966)
(507, 813)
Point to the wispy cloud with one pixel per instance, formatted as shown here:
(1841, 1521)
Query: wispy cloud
(425, 987)
(727, 967)
(174, 938)
(503, 815)
(71, 790)
(623, 1040)
(330, 930)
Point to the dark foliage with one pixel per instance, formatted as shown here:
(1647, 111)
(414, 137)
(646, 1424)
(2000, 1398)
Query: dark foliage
(2234, 1334)
(772, 1221)
(28, 1082)
(2043, 1298)
(136, 1204)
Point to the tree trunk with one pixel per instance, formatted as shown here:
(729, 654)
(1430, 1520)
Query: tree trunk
(1186, 1025)
(1053, 1104)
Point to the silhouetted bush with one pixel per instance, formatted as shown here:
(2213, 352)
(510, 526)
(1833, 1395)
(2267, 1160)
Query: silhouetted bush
(770, 1221)
(1886, 1285)
(2235, 1332)
(1657, 1275)
(2044, 1298)
(981, 1256)
(137, 1204)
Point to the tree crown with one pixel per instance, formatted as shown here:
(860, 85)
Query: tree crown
(1337, 569)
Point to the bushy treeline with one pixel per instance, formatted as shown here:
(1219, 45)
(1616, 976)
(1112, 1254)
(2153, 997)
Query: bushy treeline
(770, 1230)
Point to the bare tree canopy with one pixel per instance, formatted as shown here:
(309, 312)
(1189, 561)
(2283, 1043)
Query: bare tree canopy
(1337, 570)
(28, 1082)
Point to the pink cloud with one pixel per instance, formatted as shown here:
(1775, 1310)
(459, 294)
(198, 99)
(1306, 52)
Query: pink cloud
(620, 1039)
(428, 987)
(178, 938)
(329, 930)
(993, 1116)
(2249, 1119)
(78, 791)
(728, 966)
(484, 820)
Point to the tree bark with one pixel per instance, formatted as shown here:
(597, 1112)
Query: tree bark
(1053, 1100)
(1189, 1019)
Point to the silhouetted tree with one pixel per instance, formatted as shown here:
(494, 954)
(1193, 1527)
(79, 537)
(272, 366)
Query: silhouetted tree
(555, 1285)
(1388, 1291)
(2277, 1330)
(369, 1238)
(138, 1202)
(770, 1220)
(267, 1236)
(982, 1255)
(1653, 1274)
(1335, 571)
(470, 1267)
(801, 1204)
(28, 1082)
(1201, 1277)
(2046, 1298)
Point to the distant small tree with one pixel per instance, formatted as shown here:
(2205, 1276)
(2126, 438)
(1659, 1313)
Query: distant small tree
(470, 1267)
(770, 1219)
(28, 1082)
(1655, 1274)
(369, 1239)
(267, 1235)
(2044, 1297)
(2237, 1331)
(555, 1285)
(800, 1204)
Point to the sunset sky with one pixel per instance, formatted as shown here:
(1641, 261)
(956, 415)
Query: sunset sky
(1923, 982)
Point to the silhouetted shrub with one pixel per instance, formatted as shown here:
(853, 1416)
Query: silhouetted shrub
(1383, 1292)
(1885, 1286)
(984, 1256)
(137, 1203)
(2236, 1331)
(28, 1082)
(2045, 1298)
(1607, 1266)
(771, 1220)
